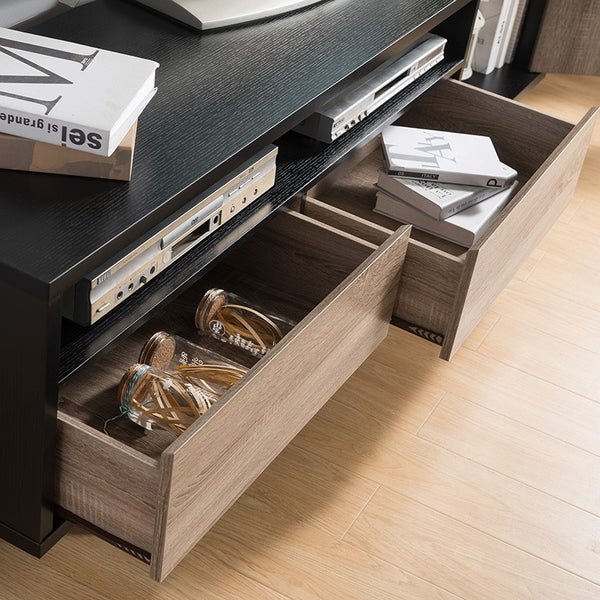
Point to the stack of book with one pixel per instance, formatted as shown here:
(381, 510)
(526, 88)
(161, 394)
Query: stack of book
(451, 185)
(496, 40)
(67, 108)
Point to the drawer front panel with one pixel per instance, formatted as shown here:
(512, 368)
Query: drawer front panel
(428, 288)
(429, 277)
(548, 154)
(205, 473)
(493, 262)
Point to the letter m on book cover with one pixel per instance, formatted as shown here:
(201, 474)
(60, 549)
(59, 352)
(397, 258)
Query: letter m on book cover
(25, 66)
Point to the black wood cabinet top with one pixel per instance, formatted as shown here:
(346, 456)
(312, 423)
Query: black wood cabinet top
(221, 97)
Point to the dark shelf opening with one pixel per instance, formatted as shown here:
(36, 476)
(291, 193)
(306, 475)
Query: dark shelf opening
(508, 81)
(301, 163)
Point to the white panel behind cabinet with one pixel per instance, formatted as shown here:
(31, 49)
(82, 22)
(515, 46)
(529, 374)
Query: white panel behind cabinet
(13, 12)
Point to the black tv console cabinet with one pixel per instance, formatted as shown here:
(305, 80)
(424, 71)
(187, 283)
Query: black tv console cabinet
(221, 97)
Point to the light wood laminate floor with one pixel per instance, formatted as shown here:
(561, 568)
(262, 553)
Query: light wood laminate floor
(476, 479)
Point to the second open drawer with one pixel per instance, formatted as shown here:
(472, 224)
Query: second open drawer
(160, 493)
(446, 289)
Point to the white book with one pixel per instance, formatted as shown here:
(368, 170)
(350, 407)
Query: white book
(68, 94)
(463, 228)
(513, 6)
(438, 200)
(444, 156)
(487, 44)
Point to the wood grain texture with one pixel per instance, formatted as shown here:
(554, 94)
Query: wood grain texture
(576, 239)
(456, 486)
(351, 188)
(275, 489)
(428, 287)
(556, 411)
(204, 472)
(574, 281)
(389, 396)
(362, 228)
(116, 488)
(278, 553)
(301, 257)
(457, 557)
(23, 576)
(533, 305)
(105, 483)
(511, 344)
(539, 460)
(526, 220)
(432, 268)
(205, 83)
(553, 165)
(568, 39)
(449, 293)
(446, 518)
(118, 576)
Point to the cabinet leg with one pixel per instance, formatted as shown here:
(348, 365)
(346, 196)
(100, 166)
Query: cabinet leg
(29, 356)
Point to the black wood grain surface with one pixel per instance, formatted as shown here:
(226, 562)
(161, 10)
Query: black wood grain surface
(301, 163)
(221, 96)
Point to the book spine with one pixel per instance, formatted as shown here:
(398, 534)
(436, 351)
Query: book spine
(490, 35)
(53, 131)
(450, 210)
(506, 34)
(420, 202)
(459, 178)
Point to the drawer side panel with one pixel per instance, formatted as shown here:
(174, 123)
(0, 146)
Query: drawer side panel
(523, 137)
(355, 225)
(105, 483)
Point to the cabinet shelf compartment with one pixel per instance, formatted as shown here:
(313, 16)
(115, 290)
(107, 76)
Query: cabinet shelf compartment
(161, 493)
(301, 162)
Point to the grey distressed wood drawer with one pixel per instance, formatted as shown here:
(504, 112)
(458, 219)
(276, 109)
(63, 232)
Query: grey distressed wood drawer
(158, 494)
(445, 289)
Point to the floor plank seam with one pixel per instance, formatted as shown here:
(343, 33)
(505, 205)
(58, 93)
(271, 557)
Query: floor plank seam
(523, 424)
(550, 331)
(474, 346)
(430, 413)
(525, 483)
(531, 373)
(360, 512)
(556, 291)
(536, 262)
(95, 593)
(403, 570)
(484, 533)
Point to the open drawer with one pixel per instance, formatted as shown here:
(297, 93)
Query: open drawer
(160, 493)
(446, 289)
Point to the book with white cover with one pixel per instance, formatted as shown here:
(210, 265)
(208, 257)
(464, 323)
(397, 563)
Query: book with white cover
(463, 228)
(487, 45)
(444, 156)
(507, 32)
(438, 200)
(68, 94)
